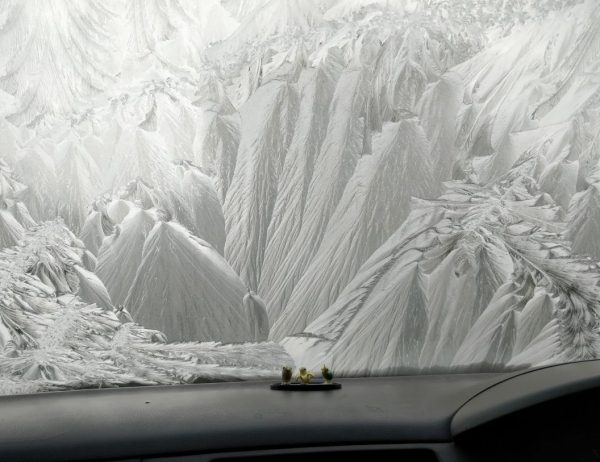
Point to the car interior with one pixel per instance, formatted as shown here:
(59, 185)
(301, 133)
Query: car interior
(548, 413)
(299, 230)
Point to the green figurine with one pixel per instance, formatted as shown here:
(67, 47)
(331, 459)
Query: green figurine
(286, 375)
(304, 376)
(327, 374)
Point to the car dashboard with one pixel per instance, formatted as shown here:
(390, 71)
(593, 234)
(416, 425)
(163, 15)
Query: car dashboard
(548, 413)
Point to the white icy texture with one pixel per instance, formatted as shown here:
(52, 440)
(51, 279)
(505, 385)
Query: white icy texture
(584, 222)
(350, 7)
(267, 121)
(473, 281)
(79, 183)
(141, 154)
(438, 109)
(56, 54)
(298, 169)
(91, 288)
(215, 147)
(14, 216)
(96, 227)
(121, 253)
(11, 231)
(339, 153)
(36, 169)
(375, 202)
(256, 311)
(52, 342)
(199, 192)
(382, 186)
(117, 210)
(175, 32)
(278, 17)
(198, 297)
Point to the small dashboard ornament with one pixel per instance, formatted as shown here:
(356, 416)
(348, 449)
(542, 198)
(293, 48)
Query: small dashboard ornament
(286, 375)
(327, 374)
(304, 380)
(304, 376)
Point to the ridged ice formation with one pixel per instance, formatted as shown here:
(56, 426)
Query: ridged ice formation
(375, 202)
(198, 298)
(381, 186)
(268, 118)
(120, 255)
(51, 339)
(470, 281)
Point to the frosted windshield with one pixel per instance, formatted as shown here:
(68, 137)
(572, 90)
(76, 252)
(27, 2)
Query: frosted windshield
(196, 191)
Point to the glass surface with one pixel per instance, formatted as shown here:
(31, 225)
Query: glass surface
(197, 191)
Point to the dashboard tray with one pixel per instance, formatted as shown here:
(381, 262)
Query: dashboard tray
(306, 387)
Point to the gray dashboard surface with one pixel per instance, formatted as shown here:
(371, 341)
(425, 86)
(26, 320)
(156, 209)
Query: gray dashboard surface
(154, 421)
(526, 390)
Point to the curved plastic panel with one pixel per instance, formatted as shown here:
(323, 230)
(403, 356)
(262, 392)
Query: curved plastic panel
(525, 390)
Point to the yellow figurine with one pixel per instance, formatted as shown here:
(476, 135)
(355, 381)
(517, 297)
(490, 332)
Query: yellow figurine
(304, 376)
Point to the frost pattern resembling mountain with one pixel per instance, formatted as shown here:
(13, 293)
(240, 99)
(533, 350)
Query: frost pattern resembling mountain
(460, 281)
(381, 186)
(58, 329)
(458, 284)
(198, 298)
(375, 202)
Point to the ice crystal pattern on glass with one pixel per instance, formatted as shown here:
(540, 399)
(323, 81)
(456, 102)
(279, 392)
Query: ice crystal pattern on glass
(207, 190)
